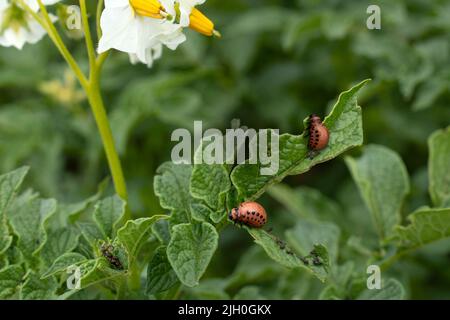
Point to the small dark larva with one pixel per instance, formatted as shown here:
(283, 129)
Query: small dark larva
(249, 213)
(318, 134)
(107, 251)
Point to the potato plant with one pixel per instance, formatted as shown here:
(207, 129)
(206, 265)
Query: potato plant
(92, 207)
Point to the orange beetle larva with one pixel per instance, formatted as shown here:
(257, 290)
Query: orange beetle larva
(249, 213)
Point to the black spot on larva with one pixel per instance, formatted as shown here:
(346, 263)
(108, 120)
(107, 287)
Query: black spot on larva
(253, 212)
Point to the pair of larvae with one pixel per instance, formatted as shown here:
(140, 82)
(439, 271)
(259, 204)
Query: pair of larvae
(251, 213)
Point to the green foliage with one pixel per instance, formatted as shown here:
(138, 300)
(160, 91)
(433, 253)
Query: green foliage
(108, 214)
(286, 257)
(439, 144)
(345, 126)
(63, 262)
(59, 242)
(134, 234)
(278, 62)
(35, 288)
(383, 182)
(172, 188)
(190, 250)
(28, 223)
(427, 225)
(391, 290)
(9, 183)
(307, 233)
(10, 280)
(209, 182)
(160, 275)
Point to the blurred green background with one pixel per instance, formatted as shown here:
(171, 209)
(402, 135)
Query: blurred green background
(277, 62)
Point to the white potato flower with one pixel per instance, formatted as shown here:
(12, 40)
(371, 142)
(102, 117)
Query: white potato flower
(142, 27)
(152, 54)
(17, 26)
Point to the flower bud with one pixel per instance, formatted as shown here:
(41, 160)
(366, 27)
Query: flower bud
(200, 23)
(148, 8)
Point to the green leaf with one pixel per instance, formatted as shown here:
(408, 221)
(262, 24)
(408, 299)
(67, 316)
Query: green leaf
(9, 184)
(209, 182)
(28, 223)
(190, 250)
(63, 262)
(253, 267)
(89, 272)
(427, 225)
(59, 242)
(96, 271)
(305, 202)
(249, 293)
(178, 216)
(161, 230)
(281, 253)
(439, 161)
(160, 275)
(35, 288)
(72, 212)
(428, 93)
(218, 216)
(390, 290)
(306, 234)
(11, 278)
(108, 214)
(5, 238)
(4, 262)
(329, 293)
(90, 232)
(201, 212)
(172, 186)
(134, 234)
(383, 183)
(208, 289)
(345, 127)
(13, 256)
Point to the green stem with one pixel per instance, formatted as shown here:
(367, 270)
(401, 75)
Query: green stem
(47, 24)
(98, 109)
(101, 118)
(92, 89)
(174, 293)
(134, 279)
(87, 36)
(392, 259)
(99, 14)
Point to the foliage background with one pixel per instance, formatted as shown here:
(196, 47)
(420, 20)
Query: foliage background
(278, 61)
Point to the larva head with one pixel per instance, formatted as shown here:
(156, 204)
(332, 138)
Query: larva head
(314, 119)
(233, 214)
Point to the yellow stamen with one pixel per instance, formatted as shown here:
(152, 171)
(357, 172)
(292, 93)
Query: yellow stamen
(200, 23)
(149, 8)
